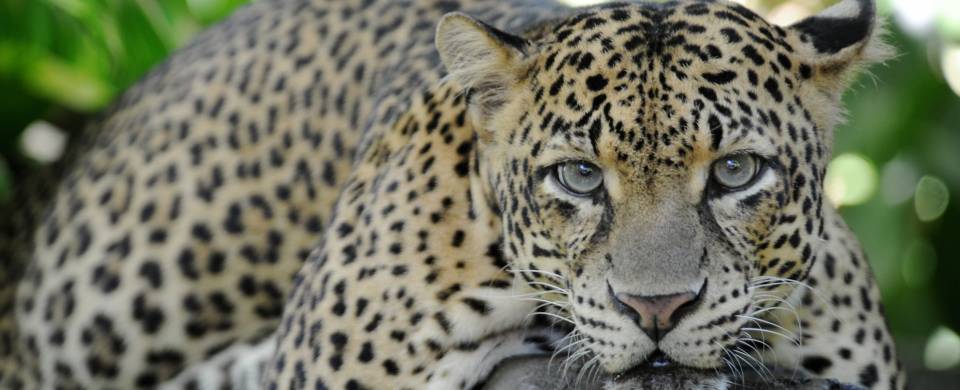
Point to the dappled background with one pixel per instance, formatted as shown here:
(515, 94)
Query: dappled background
(895, 176)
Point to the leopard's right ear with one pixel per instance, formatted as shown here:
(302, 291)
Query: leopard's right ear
(485, 61)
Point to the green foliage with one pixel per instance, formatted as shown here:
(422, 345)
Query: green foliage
(63, 56)
(904, 119)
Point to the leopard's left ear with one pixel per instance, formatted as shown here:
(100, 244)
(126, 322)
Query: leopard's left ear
(840, 41)
(485, 61)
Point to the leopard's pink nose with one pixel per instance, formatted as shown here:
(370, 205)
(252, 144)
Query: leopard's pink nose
(657, 314)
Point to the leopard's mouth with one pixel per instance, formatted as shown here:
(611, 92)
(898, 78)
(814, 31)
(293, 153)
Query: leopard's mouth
(655, 361)
(658, 360)
(659, 369)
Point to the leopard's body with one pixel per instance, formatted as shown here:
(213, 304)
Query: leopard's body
(423, 213)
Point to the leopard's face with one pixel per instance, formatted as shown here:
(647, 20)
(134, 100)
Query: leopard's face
(659, 171)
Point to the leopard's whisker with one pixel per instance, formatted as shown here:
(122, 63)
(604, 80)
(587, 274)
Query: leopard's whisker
(790, 308)
(538, 272)
(587, 366)
(760, 320)
(773, 332)
(567, 320)
(553, 287)
(561, 351)
(759, 368)
(728, 362)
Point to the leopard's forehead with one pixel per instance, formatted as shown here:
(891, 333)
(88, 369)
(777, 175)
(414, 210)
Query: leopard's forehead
(672, 36)
(666, 84)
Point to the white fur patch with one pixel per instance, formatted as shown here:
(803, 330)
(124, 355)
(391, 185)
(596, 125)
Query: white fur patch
(241, 365)
(471, 367)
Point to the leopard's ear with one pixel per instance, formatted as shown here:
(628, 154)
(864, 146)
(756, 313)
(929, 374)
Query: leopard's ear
(485, 61)
(840, 41)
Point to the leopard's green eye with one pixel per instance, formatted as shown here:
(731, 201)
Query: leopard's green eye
(736, 170)
(579, 177)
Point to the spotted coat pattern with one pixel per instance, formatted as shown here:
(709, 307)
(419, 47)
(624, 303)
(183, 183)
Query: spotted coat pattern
(437, 238)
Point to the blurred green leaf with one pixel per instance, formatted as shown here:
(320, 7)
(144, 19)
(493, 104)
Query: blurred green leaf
(67, 85)
(949, 20)
(210, 10)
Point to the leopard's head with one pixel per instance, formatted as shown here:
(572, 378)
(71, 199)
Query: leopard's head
(658, 167)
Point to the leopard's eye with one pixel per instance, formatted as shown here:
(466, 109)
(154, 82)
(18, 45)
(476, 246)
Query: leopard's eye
(736, 170)
(580, 178)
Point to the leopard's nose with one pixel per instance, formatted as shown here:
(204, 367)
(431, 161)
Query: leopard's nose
(657, 314)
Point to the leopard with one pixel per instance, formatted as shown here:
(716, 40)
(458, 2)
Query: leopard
(406, 194)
